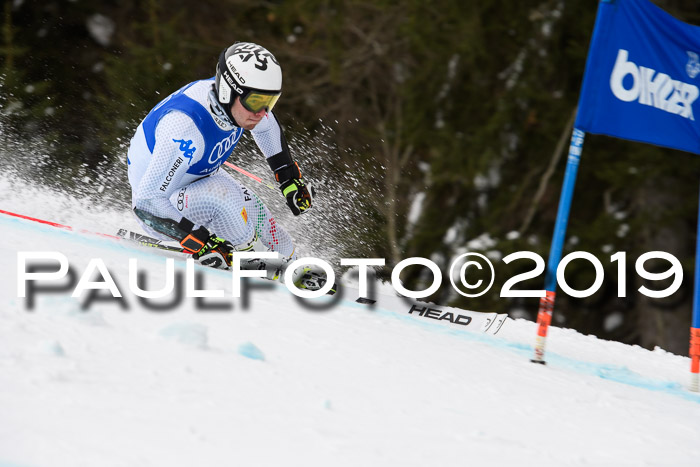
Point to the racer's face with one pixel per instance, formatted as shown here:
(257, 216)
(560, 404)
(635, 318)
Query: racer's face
(244, 117)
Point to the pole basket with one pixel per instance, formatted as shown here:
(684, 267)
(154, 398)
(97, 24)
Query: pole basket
(695, 359)
(544, 319)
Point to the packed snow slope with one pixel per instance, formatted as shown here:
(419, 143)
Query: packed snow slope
(278, 383)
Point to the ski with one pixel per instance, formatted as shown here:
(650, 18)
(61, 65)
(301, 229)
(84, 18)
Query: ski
(488, 323)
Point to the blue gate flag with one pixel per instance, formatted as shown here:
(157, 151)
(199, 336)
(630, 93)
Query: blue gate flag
(642, 77)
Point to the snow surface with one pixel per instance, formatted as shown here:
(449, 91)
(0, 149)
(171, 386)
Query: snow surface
(277, 383)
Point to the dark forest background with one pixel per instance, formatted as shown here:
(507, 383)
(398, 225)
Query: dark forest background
(435, 127)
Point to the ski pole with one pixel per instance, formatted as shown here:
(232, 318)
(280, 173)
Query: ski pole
(123, 234)
(55, 224)
(248, 174)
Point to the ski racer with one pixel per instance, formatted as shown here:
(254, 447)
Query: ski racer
(178, 191)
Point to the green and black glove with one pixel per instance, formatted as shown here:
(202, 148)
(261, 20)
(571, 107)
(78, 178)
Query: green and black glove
(299, 195)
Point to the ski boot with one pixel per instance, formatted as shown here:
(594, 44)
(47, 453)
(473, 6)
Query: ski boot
(310, 278)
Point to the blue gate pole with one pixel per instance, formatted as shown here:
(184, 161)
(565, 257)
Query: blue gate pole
(544, 315)
(695, 325)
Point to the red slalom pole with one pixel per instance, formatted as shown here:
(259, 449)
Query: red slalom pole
(695, 359)
(544, 319)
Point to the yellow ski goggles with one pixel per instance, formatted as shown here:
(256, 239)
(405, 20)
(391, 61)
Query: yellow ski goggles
(255, 101)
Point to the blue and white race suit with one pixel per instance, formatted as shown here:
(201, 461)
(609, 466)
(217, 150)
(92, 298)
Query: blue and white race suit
(173, 164)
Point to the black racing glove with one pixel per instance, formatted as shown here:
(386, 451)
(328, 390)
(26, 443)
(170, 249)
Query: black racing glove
(299, 195)
(208, 249)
